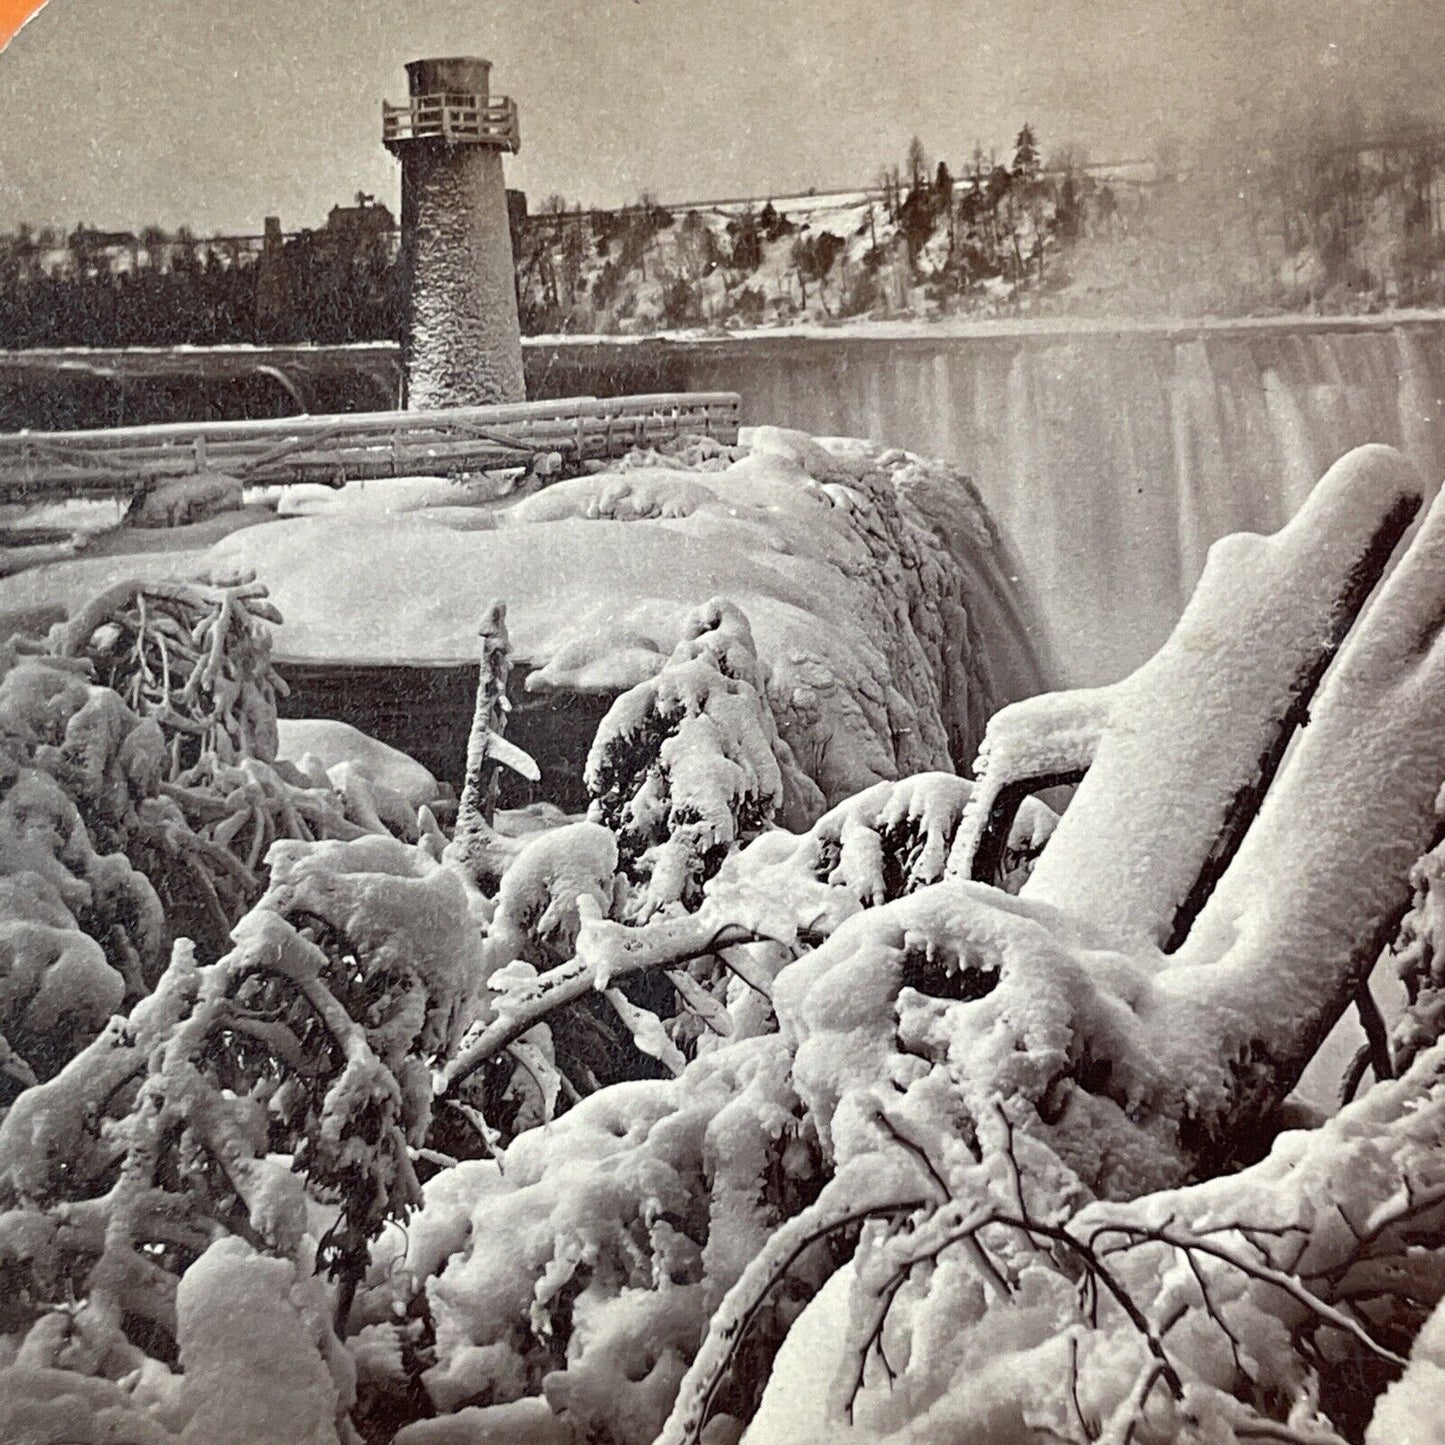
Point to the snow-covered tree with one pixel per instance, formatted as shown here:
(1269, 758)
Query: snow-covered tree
(982, 1126)
(302, 1055)
(684, 767)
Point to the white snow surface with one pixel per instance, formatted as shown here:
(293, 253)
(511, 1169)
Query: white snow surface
(254, 1340)
(1170, 747)
(794, 1406)
(1412, 1410)
(872, 582)
(333, 744)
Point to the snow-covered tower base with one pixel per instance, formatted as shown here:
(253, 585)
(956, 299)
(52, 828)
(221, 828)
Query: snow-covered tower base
(463, 344)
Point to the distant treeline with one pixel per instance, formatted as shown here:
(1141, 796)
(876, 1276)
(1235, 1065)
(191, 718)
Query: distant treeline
(918, 241)
(1340, 222)
(309, 290)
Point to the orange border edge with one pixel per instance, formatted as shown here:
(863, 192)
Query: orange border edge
(14, 14)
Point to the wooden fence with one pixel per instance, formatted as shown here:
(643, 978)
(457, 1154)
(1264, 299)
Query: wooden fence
(120, 461)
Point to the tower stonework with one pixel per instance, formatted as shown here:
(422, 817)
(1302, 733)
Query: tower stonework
(463, 343)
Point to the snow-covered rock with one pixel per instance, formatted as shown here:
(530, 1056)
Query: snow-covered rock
(182, 500)
(254, 1346)
(334, 743)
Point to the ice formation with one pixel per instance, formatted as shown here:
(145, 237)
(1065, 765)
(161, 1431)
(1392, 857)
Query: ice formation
(1226, 1278)
(83, 928)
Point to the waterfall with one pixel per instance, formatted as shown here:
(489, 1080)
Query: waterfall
(1111, 457)
(1111, 454)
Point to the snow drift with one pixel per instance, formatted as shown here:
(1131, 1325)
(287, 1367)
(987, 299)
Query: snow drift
(873, 581)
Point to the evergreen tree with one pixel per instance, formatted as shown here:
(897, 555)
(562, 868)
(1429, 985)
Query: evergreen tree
(943, 203)
(1026, 155)
(917, 163)
(747, 242)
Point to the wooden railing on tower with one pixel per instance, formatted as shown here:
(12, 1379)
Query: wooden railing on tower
(458, 119)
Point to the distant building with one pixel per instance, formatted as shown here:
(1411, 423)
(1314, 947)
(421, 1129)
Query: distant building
(361, 232)
(87, 240)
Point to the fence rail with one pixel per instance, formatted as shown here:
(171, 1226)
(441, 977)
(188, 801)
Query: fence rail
(128, 461)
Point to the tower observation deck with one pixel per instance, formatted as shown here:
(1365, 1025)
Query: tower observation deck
(462, 344)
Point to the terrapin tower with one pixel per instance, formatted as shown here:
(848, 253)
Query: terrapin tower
(463, 345)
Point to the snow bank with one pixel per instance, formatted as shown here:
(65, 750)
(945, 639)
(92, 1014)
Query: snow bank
(871, 581)
(1171, 749)
(47, 1406)
(380, 494)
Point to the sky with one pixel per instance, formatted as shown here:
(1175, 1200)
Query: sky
(216, 113)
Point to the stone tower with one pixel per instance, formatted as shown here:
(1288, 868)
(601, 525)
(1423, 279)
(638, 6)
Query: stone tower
(463, 344)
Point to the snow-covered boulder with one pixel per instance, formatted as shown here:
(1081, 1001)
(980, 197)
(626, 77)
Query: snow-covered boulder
(181, 500)
(261, 1364)
(333, 744)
